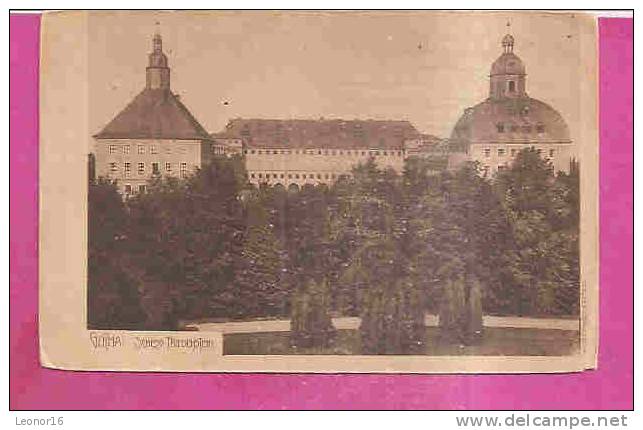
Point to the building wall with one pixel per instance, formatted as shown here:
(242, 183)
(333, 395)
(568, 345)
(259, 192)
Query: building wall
(288, 166)
(113, 154)
(226, 146)
(494, 155)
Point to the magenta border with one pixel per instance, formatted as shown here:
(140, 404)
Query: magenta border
(609, 387)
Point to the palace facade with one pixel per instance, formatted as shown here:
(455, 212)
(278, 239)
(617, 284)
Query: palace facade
(492, 132)
(299, 152)
(154, 135)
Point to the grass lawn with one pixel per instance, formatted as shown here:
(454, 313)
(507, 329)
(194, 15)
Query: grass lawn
(495, 341)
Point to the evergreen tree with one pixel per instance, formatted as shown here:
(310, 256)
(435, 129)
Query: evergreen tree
(311, 324)
(113, 299)
(259, 286)
(186, 237)
(543, 210)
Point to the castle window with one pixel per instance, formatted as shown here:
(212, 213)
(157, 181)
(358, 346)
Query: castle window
(155, 169)
(184, 170)
(281, 176)
(289, 176)
(274, 175)
(540, 128)
(319, 152)
(501, 152)
(153, 149)
(501, 167)
(126, 150)
(141, 189)
(259, 152)
(141, 168)
(297, 176)
(513, 152)
(385, 153)
(539, 151)
(168, 167)
(512, 86)
(141, 149)
(112, 149)
(487, 152)
(363, 152)
(500, 127)
(333, 176)
(128, 169)
(318, 176)
(260, 175)
(326, 175)
(245, 151)
(128, 189)
(252, 175)
(275, 152)
(252, 151)
(551, 153)
(113, 167)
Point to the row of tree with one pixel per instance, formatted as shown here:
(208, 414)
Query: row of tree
(382, 246)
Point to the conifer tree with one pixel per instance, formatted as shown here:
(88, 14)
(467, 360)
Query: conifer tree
(113, 298)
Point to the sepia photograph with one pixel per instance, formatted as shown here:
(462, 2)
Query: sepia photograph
(339, 184)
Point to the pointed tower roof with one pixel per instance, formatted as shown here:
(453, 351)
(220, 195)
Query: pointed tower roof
(155, 113)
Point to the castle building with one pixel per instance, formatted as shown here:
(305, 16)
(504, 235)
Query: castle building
(492, 132)
(154, 135)
(298, 152)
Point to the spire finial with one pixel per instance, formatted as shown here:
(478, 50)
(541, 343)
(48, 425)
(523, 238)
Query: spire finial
(157, 42)
(508, 40)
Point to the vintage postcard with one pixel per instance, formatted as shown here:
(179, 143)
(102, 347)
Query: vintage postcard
(319, 191)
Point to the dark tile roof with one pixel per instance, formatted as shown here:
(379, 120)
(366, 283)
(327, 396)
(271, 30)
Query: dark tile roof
(322, 133)
(154, 114)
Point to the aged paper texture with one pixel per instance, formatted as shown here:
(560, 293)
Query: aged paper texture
(320, 191)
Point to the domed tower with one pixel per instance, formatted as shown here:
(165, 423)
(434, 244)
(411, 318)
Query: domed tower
(507, 78)
(153, 135)
(157, 72)
(493, 131)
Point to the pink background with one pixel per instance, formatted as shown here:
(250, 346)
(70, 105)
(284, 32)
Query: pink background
(610, 387)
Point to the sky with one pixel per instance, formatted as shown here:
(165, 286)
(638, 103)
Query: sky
(425, 67)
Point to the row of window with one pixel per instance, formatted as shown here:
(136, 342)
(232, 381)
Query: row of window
(141, 168)
(502, 152)
(221, 150)
(144, 149)
(539, 128)
(268, 176)
(129, 190)
(356, 153)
